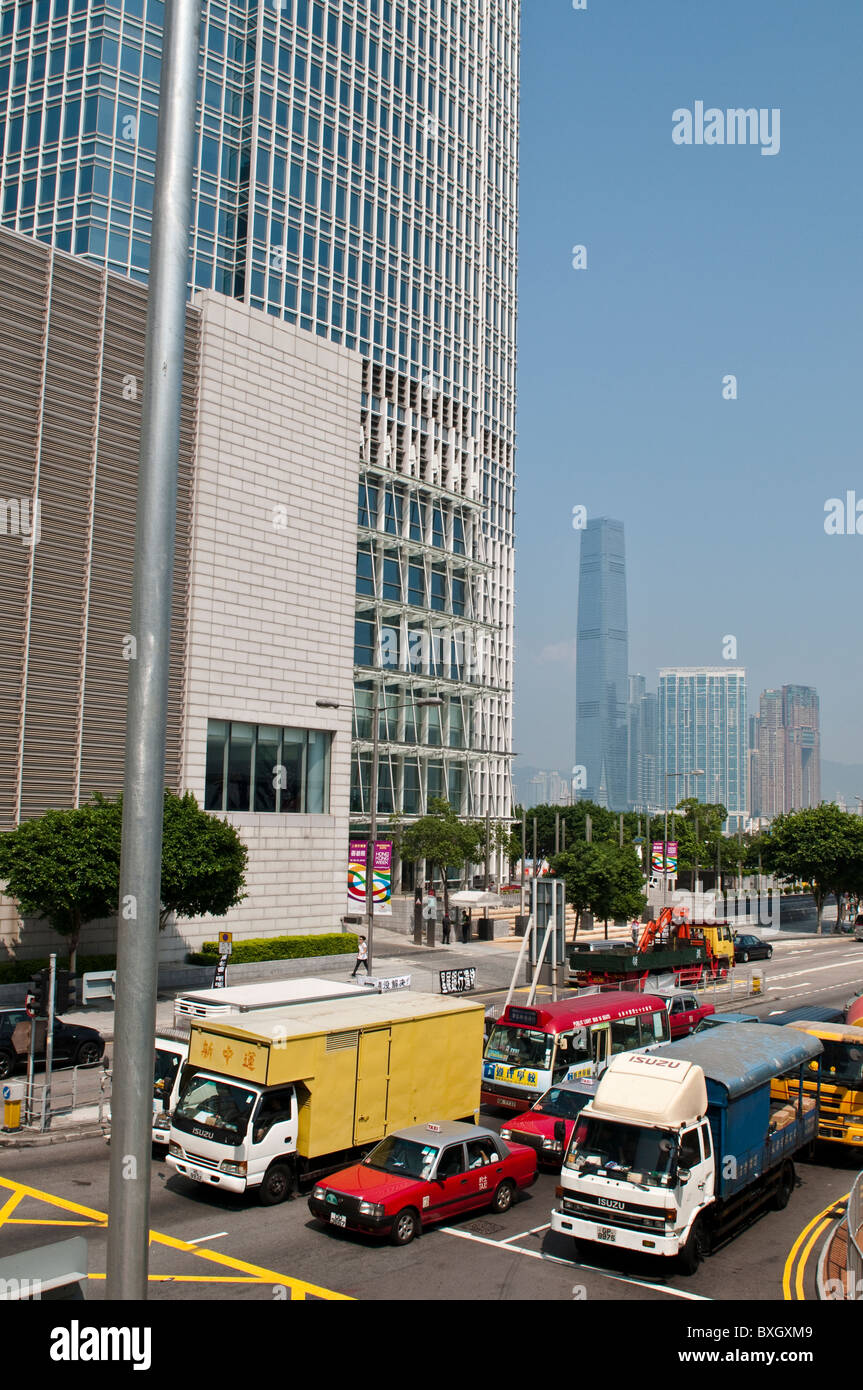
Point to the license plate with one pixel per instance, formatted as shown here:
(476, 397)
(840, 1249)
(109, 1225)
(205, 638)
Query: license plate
(196, 1175)
(606, 1233)
(336, 1220)
(505, 1100)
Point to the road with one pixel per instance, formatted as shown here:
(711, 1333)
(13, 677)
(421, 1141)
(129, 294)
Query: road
(220, 1247)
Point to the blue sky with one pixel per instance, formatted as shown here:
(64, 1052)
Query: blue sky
(701, 261)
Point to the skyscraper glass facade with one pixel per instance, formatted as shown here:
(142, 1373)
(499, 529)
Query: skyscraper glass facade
(602, 666)
(703, 725)
(357, 175)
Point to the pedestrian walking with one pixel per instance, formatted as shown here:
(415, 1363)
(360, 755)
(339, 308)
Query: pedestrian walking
(447, 924)
(465, 927)
(362, 956)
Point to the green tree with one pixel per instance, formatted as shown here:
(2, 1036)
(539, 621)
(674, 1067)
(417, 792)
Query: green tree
(821, 845)
(442, 839)
(203, 861)
(64, 868)
(602, 877)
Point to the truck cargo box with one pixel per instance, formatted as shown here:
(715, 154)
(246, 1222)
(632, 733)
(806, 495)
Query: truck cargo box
(362, 1067)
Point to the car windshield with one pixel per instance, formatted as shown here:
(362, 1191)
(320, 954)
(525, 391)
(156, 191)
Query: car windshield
(520, 1047)
(214, 1109)
(628, 1153)
(564, 1105)
(405, 1157)
(164, 1072)
(841, 1064)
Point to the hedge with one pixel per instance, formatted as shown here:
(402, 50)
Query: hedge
(13, 972)
(278, 948)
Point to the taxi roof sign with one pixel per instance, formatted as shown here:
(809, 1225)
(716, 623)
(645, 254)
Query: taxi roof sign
(435, 1129)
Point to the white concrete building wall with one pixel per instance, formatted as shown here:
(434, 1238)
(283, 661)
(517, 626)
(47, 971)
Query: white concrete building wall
(271, 606)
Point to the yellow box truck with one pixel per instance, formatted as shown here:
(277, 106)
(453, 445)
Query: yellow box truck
(276, 1097)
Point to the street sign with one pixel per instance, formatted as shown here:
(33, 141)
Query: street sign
(457, 981)
(226, 943)
(220, 979)
(429, 909)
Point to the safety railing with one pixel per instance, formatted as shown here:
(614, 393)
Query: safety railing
(65, 1092)
(853, 1252)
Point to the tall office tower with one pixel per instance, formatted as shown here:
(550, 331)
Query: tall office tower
(702, 725)
(771, 755)
(356, 176)
(801, 720)
(602, 664)
(642, 747)
(754, 775)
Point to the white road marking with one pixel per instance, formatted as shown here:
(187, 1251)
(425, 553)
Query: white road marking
(214, 1236)
(808, 970)
(573, 1264)
(534, 1231)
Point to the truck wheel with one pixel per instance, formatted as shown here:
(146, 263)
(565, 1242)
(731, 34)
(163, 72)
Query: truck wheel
(502, 1200)
(783, 1192)
(695, 1248)
(277, 1185)
(405, 1227)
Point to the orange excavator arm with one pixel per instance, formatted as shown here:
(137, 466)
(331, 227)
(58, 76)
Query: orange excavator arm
(652, 930)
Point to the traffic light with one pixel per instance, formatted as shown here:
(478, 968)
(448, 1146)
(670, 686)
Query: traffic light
(39, 990)
(64, 991)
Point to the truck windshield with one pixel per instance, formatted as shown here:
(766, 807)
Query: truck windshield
(565, 1105)
(520, 1047)
(213, 1109)
(167, 1064)
(626, 1152)
(402, 1156)
(841, 1064)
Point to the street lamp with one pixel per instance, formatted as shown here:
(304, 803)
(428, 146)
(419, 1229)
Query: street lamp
(670, 776)
(422, 702)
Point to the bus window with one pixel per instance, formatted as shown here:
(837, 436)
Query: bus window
(599, 1038)
(572, 1048)
(653, 1028)
(624, 1035)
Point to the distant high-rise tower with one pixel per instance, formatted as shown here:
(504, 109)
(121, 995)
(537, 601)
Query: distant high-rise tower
(702, 724)
(642, 750)
(602, 662)
(789, 750)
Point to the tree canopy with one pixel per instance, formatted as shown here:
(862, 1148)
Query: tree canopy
(822, 846)
(442, 839)
(64, 866)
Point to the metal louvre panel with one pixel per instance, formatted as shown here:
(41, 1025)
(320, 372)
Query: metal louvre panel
(109, 614)
(23, 290)
(57, 613)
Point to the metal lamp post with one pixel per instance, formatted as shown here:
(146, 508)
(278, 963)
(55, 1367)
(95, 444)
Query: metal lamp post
(670, 776)
(422, 702)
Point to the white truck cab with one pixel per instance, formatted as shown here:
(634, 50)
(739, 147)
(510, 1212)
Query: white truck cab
(640, 1165)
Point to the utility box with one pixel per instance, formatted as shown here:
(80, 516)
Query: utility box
(13, 1095)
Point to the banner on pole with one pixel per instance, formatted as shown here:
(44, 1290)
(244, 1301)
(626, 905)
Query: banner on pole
(660, 862)
(382, 874)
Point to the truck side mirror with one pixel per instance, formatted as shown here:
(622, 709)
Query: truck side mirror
(683, 1176)
(559, 1131)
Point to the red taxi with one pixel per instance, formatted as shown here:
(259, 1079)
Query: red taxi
(424, 1174)
(546, 1127)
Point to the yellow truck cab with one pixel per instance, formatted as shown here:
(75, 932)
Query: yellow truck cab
(274, 1097)
(840, 1072)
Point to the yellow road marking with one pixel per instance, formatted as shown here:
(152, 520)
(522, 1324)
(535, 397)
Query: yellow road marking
(195, 1279)
(40, 1221)
(9, 1206)
(830, 1213)
(300, 1286)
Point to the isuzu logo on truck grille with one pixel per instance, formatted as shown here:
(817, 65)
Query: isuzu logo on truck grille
(607, 1202)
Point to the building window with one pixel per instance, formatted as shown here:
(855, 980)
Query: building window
(261, 767)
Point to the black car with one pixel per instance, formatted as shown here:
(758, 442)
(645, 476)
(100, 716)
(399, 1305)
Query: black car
(751, 948)
(73, 1044)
